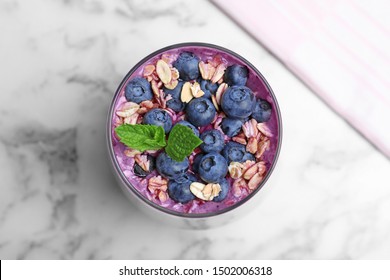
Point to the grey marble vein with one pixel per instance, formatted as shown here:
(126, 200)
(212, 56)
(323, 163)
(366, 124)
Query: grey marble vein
(197, 249)
(136, 10)
(56, 148)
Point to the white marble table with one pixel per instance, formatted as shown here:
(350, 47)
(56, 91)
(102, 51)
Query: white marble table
(60, 63)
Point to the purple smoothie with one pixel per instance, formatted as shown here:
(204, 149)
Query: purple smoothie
(259, 87)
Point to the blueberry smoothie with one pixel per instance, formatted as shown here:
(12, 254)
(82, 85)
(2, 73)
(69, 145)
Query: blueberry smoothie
(195, 129)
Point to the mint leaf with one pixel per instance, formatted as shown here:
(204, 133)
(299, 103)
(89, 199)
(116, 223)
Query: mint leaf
(181, 142)
(141, 136)
(160, 137)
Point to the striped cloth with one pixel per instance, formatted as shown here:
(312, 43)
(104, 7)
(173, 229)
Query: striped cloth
(339, 48)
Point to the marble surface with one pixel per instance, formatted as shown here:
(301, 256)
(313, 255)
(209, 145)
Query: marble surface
(61, 62)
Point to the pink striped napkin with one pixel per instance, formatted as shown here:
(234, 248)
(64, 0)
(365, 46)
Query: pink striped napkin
(339, 48)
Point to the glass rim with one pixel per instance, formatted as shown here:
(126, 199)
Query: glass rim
(129, 185)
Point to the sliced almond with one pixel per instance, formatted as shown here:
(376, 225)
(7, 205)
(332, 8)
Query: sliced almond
(158, 187)
(241, 135)
(163, 71)
(155, 77)
(151, 152)
(186, 93)
(203, 70)
(155, 88)
(263, 146)
(147, 104)
(175, 73)
(127, 109)
(148, 70)
(196, 91)
(132, 119)
(252, 145)
(250, 128)
(217, 122)
(220, 91)
(250, 172)
(263, 128)
(172, 84)
(162, 196)
(157, 183)
(142, 110)
(259, 136)
(255, 181)
(235, 169)
(142, 161)
(162, 101)
(196, 188)
(219, 72)
(215, 190)
(131, 152)
(205, 192)
(238, 185)
(239, 140)
(254, 125)
(214, 100)
(206, 70)
(262, 168)
(258, 168)
(247, 164)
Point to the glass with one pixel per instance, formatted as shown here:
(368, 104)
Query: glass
(191, 220)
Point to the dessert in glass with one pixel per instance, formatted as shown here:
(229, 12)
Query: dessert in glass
(194, 132)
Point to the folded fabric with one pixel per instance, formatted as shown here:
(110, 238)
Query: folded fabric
(339, 48)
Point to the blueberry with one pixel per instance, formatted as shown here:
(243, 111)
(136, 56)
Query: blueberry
(262, 110)
(200, 111)
(175, 103)
(212, 167)
(234, 151)
(213, 141)
(224, 190)
(187, 124)
(231, 127)
(169, 168)
(179, 191)
(236, 75)
(187, 65)
(248, 156)
(238, 102)
(138, 90)
(196, 162)
(208, 88)
(142, 173)
(159, 117)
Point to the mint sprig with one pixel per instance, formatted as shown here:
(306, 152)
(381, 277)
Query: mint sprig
(181, 142)
(141, 137)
